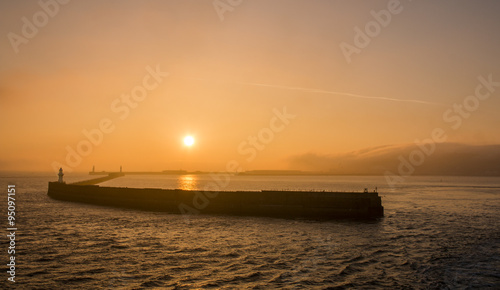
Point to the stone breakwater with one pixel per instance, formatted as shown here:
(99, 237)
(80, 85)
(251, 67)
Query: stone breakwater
(288, 204)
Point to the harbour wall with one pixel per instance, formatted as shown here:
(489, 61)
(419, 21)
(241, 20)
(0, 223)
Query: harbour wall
(308, 204)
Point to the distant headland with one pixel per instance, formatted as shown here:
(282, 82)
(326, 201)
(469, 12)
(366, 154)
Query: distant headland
(185, 172)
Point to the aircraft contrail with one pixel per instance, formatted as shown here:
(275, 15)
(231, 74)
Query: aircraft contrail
(318, 91)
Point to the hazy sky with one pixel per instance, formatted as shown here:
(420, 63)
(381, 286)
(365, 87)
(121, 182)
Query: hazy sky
(230, 71)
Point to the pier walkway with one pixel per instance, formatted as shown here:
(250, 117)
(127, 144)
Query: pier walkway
(99, 180)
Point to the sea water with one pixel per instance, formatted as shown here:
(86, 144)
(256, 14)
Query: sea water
(437, 233)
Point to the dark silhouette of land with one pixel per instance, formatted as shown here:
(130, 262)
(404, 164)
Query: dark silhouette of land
(452, 159)
(184, 172)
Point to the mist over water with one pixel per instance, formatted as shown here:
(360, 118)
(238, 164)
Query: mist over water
(437, 232)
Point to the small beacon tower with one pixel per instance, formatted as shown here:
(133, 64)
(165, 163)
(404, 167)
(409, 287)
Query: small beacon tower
(61, 174)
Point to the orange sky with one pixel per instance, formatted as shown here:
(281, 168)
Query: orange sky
(226, 79)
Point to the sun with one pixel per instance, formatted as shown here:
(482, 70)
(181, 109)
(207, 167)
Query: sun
(188, 141)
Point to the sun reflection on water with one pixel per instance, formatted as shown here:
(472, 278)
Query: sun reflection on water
(188, 182)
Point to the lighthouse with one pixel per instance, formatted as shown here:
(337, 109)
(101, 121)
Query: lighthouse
(61, 174)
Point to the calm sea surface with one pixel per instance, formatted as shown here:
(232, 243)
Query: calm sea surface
(437, 233)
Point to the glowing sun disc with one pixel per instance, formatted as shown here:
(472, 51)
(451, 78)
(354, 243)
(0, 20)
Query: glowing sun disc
(188, 141)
